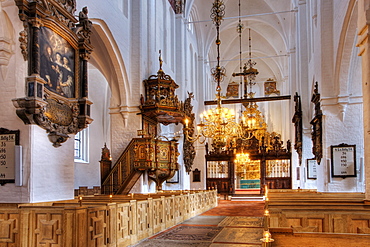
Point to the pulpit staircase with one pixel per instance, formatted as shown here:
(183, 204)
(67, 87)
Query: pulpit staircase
(122, 176)
(158, 157)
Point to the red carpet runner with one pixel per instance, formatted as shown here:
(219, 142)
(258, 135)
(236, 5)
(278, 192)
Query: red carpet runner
(237, 208)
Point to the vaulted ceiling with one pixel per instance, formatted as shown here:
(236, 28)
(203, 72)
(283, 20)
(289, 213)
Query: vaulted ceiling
(272, 30)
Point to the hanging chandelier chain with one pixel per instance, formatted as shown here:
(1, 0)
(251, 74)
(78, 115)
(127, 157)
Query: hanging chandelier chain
(218, 73)
(217, 124)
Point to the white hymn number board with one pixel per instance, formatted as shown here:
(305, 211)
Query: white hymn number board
(343, 161)
(7, 156)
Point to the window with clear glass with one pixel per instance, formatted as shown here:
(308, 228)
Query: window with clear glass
(81, 146)
(277, 168)
(217, 169)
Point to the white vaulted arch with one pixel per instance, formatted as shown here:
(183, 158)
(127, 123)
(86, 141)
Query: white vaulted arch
(108, 59)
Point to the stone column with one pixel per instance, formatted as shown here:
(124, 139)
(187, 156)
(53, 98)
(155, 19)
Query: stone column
(363, 26)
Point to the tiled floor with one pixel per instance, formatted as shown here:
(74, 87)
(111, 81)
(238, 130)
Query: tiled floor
(230, 224)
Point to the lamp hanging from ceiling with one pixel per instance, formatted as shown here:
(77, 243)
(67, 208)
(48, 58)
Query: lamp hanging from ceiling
(241, 159)
(252, 121)
(218, 124)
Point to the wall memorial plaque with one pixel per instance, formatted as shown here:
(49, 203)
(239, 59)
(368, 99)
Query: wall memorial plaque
(8, 140)
(343, 160)
(311, 169)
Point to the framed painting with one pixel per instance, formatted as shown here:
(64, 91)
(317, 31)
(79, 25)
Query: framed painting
(57, 63)
(57, 48)
(343, 160)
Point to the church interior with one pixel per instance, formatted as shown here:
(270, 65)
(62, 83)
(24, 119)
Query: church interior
(184, 123)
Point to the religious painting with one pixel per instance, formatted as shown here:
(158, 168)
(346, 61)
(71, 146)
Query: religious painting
(232, 90)
(57, 63)
(270, 88)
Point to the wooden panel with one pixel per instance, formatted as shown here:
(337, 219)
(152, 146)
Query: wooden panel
(339, 223)
(169, 211)
(75, 227)
(186, 209)
(294, 222)
(222, 184)
(320, 239)
(158, 215)
(278, 183)
(315, 224)
(142, 221)
(47, 229)
(360, 226)
(9, 229)
(124, 224)
(178, 209)
(97, 227)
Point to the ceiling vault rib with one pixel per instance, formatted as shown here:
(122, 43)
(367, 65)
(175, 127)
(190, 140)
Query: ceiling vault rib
(228, 60)
(246, 16)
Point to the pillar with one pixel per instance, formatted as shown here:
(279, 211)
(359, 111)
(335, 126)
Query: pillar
(363, 26)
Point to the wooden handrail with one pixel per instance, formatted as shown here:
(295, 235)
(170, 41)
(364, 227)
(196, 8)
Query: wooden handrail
(140, 155)
(123, 167)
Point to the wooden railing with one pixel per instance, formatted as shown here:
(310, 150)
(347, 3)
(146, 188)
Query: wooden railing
(101, 220)
(157, 156)
(120, 171)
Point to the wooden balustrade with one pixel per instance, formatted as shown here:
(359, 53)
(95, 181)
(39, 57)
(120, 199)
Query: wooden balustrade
(101, 220)
(120, 171)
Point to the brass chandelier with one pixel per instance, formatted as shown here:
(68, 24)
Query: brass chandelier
(252, 121)
(218, 124)
(241, 159)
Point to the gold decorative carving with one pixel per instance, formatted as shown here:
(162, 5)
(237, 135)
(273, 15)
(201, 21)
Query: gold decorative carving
(160, 101)
(58, 113)
(23, 39)
(188, 147)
